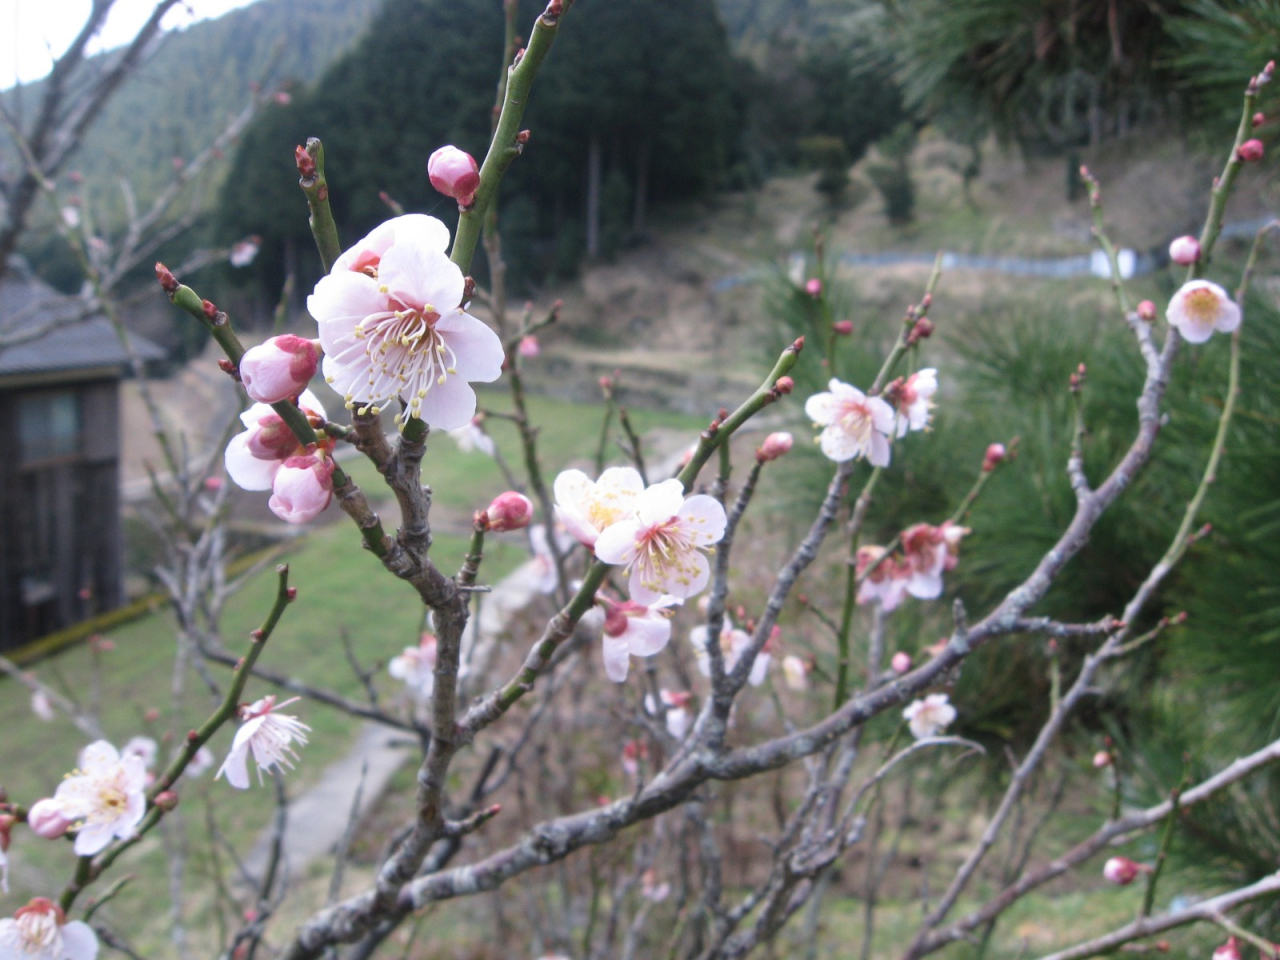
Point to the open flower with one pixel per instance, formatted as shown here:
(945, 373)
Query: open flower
(254, 456)
(544, 561)
(733, 644)
(662, 545)
(887, 581)
(1201, 307)
(471, 436)
(392, 325)
(417, 666)
(915, 400)
(854, 425)
(677, 714)
(268, 736)
(104, 797)
(587, 507)
(930, 716)
(40, 931)
(633, 629)
(928, 551)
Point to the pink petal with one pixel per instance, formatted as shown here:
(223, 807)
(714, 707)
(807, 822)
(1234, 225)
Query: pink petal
(647, 636)
(418, 277)
(449, 405)
(479, 350)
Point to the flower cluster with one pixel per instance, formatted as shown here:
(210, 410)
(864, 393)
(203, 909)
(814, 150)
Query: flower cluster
(267, 456)
(926, 552)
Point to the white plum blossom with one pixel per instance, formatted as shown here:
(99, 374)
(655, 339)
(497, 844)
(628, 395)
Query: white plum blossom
(677, 710)
(587, 507)
(143, 747)
(633, 630)
(662, 545)
(927, 552)
(416, 666)
(1201, 307)
(201, 763)
(930, 716)
(41, 705)
(854, 425)
(471, 436)
(796, 672)
(392, 325)
(733, 643)
(915, 401)
(104, 797)
(886, 583)
(40, 931)
(268, 736)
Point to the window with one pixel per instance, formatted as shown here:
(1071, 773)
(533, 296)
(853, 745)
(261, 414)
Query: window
(48, 425)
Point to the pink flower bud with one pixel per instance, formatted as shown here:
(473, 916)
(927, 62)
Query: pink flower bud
(901, 662)
(843, 327)
(272, 440)
(302, 488)
(1250, 151)
(1228, 951)
(166, 800)
(1184, 251)
(529, 346)
(813, 287)
(279, 369)
(46, 820)
(775, 445)
(1258, 120)
(1122, 871)
(994, 456)
(1102, 759)
(454, 173)
(1146, 311)
(509, 511)
(784, 385)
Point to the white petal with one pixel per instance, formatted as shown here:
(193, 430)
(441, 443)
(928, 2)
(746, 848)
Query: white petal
(478, 349)
(617, 543)
(248, 472)
(704, 518)
(647, 636)
(660, 502)
(822, 408)
(78, 941)
(617, 659)
(421, 277)
(236, 766)
(449, 405)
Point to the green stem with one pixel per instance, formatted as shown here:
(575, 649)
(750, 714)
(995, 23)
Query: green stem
(1149, 897)
(316, 188)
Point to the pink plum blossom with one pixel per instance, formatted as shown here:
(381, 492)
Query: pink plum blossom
(928, 551)
(392, 325)
(104, 797)
(915, 401)
(268, 736)
(901, 662)
(1228, 951)
(813, 287)
(40, 931)
(775, 445)
(254, 456)
(1250, 151)
(416, 666)
(45, 818)
(1201, 307)
(280, 368)
(930, 716)
(1184, 251)
(1146, 310)
(677, 714)
(733, 644)
(1102, 759)
(509, 511)
(633, 630)
(994, 457)
(854, 425)
(143, 747)
(1122, 871)
(302, 488)
(886, 583)
(662, 546)
(633, 751)
(529, 347)
(587, 507)
(454, 173)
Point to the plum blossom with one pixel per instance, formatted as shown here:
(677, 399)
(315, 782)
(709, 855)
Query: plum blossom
(1122, 871)
(887, 581)
(46, 820)
(928, 551)
(1184, 251)
(677, 714)
(41, 705)
(268, 736)
(587, 507)
(529, 346)
(733, 644)
(915, 400)
(143, 747)
(40, 931)
(1201, 307)
(254, 456)
(454, 173)
(416, 667)
(633, 630)
(509, 511)
(545, 563)
(854, 425)
(900, 662)
(662, 545)
(104, 797)
(280, 368)
(633, 751)
(471, 436)
(1228, 951)
(930, 716)
(244, 251)
(392, 325)
(201, 763)
(302, 488)
(775, 445)
(796, 672)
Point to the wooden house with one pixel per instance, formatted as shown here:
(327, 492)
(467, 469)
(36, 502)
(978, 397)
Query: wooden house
(60, 534)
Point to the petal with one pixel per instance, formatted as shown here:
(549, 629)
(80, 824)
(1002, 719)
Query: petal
(882, 415)
(255, 413)
(248, 472)
(478, 349)
(449, 405)
(839, 445)
(99, 757)
(822, 408)
(925, 586)
(703, 518)
(1229, 318)
(622, 480)
(418, 276)
(78, 941)
(343, 299)
(647, 635)
(617, 543)
(617, 660)
(879, 455)
(236, 766)
(759, 669)
(94, 837)
(660, 502)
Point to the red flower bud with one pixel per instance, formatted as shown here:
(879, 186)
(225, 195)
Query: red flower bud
(168, 282)
(1146, 311)
(1258, 120)
(775, 445)
(306, 163)
(995, 454)
(454, 173)
(843, 327)
(509, 511)
(784, 385)
(1250, 151)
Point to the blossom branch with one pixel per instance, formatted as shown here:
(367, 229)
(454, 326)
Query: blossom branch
(312, 180)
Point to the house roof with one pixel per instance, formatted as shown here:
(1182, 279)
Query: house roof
(27, 303)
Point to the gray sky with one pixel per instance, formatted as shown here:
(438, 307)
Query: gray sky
(32, 30)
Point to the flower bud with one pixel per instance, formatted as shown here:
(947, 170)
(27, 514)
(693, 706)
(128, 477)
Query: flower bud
(901, 662)
(922, 329)
(272, 440)
(1146, 311)
(1258, 120)
(509, 511)
(784, 385)
(166, 800)
(454, 173)
(529, 346)
(994, 456)
(46, 820)
(843, 327)
(302, 488)
(279, 369)
(1102, 759)
(1184, 251)
(1250, 151)
(1122, 871)
(775, 445)
(813, 287)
